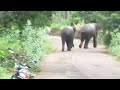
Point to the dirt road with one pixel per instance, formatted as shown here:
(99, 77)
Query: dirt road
(92, 63)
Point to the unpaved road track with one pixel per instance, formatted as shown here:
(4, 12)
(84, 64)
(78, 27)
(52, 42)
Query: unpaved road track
(92, 63)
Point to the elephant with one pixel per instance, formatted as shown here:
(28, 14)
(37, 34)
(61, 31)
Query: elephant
(67, 35)
(87, 32)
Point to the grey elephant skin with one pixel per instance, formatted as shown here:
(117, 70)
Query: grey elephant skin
(67, 35)
(87, 32)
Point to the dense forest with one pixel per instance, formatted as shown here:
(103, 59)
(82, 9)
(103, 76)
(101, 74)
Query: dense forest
(26, 32)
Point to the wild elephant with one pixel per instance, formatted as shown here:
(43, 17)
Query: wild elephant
(87, 32)
(67, 35)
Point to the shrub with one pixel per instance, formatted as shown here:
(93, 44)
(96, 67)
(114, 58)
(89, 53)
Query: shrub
(114, 46)
(4, 74)
(35, 42)
(6, 42)
(107, 39)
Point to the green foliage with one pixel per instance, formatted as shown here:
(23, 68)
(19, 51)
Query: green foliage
(75, 20)
(60, 25)
(4, 74)
(115, 44)
(86, 15)
(33, 44)
(47, 46)
(100, 38)
(111, 22)
(9, 41)
(34, 39)
(2, 53)
(31, 41)
(62, 19)
(5, 43)
(107, 39)
(108, 21)
(36, 43)
(19, 19)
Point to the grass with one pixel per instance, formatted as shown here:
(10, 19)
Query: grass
(4, 74)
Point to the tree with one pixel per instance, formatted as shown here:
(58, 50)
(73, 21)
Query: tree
(19, 18)
(109, 21)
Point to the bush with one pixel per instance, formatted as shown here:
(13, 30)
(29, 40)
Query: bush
(6, 42)
(100, 38)
(114, 46)
(4, 74)
(36, 43)
(107, 39)
(60, 25)
(33, 44)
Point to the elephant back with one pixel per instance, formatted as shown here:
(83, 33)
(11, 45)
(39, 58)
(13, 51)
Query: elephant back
(68, 31)
(69, 27)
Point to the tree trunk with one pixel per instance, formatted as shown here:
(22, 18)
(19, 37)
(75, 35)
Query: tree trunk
(65, 14)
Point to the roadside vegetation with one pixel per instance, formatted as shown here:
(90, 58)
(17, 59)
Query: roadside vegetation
(26, 32)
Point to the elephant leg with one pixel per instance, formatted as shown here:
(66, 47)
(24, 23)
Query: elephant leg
(81, 43)
(68, 46)
(72, 44)
(63, 44)
(94, 41)
(86, 43)
(82, 40)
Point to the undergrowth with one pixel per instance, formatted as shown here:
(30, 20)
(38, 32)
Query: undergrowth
(33, 43)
